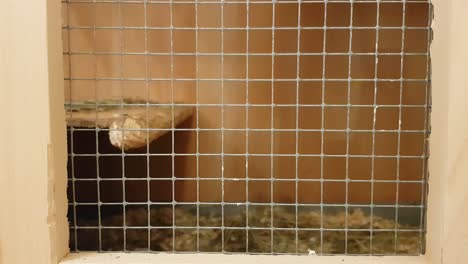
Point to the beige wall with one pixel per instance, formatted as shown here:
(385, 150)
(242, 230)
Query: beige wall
(209, 92)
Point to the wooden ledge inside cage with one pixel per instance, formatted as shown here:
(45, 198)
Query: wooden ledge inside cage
(132, 124)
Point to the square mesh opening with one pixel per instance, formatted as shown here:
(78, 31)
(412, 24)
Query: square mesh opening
(259, 127)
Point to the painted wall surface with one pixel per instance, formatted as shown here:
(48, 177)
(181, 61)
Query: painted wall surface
(235, 42)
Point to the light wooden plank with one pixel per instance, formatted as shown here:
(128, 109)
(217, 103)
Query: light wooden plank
(448, 198)
(33, 224)
(141, 258)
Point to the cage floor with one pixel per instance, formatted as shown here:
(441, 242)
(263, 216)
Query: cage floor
(260, 237)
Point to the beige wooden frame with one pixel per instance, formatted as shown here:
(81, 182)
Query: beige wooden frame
(33, 225)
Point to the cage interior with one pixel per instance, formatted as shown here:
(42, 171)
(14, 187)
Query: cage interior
(268, 127)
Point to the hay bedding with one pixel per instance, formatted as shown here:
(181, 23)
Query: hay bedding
(259, 240)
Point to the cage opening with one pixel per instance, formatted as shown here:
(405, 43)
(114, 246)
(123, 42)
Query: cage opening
(258, 127)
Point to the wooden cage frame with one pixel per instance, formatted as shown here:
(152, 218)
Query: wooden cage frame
(33, 223)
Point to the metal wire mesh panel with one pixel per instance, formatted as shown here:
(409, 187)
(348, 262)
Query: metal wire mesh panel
(260, 127)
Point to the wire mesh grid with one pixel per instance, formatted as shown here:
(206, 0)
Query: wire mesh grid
(308, 135)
